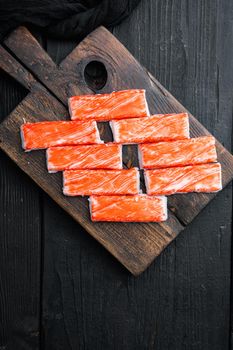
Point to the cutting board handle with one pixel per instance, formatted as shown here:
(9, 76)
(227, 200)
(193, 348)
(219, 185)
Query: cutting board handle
(32, 55)
(12, 67)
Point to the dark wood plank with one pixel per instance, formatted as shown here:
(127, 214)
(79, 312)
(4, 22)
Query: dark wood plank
(90, 301)
(184, 44)
(20, 227)
(182, 300)
(194, 296)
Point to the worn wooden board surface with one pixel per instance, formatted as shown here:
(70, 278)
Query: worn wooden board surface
(183, 299)
(143, 242)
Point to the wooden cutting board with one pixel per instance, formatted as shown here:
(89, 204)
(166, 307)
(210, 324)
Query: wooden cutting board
(135, 245)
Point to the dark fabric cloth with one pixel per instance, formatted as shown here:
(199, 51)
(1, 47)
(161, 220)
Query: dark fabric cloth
(63, 18)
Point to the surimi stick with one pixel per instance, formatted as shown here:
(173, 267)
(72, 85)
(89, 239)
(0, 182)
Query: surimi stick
(104, 156)
(194, 178)
(103, 107)
(53, 133)
(101, 182)
(138, 208)
(178, 153)
(160, 127)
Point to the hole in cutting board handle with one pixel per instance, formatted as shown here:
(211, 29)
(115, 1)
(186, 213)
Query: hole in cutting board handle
(95, 75)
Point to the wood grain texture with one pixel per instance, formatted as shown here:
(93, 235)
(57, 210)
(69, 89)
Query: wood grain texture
(184, 44)
(182, 300)
(20, 254)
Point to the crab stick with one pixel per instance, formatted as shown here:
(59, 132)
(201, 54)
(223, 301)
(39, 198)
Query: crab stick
(103, 107)
(138, 208)
(104, 156)
(53, 133)
(101, 182)
(160, 127)
(178, 153)
(194, 178)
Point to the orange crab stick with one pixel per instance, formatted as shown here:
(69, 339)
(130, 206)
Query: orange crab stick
(53, 133)
(101, 182)
(103, 107)
(138, 208)
(160, 127)
(178, 153)
(194, 178)
(104, 156)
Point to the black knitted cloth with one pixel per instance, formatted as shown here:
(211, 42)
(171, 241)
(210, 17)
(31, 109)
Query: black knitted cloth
(63, 18)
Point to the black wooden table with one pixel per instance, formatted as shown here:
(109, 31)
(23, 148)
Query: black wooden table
(59, 289)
